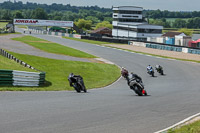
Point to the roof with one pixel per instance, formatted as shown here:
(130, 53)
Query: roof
(197, 41)
(172, 34)
(100, 29)
(126, 6)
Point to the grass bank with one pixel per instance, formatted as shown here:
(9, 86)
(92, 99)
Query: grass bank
(191, 128)
(12, 65)
(95, 75)
(3, 24)
(52, 47)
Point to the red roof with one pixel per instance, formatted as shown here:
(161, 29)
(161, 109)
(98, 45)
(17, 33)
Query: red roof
(197, 41)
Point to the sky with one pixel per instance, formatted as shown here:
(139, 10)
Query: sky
(171, 5)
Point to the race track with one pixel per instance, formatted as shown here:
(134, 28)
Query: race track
(113, 109)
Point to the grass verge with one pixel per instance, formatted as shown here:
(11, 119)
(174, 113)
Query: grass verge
(12, 65)
(22, 26)
(155, 55)
(87, 41)
(95, 75)
(191, 128)
(3, 34)
(3, 24)
(52, 47)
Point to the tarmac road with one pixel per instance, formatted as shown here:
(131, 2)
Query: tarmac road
(113, 109)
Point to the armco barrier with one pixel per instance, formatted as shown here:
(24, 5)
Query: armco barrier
(21, 78)
(164, 47)
(193, 51)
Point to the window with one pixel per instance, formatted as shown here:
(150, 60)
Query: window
(116, 11)
(127, 20)
(129, 12)
(149, 31)
(125, 28)
(129, 16)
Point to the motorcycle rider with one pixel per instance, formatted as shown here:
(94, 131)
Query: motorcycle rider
(136, 77)
(149, 67)
(75, 78)
(124, 72)
(158, 67)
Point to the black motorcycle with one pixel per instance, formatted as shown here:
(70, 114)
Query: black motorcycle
(150, 72)
(160, 70)
(137, 86)
(77, 83)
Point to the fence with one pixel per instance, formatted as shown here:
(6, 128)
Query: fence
(166, 47)
(20, 78)
(162, 47)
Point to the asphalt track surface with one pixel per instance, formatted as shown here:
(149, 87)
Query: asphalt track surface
(113, 109)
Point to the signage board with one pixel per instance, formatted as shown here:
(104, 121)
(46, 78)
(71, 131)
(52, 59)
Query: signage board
(43, 22)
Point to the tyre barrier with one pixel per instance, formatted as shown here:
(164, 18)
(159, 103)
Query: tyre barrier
(21, 78)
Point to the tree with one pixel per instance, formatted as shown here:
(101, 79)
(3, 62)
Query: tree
(84, 24)
(186, 31)
(93, 19)
(18, 14)
(179, 23)
(104, 24)
(7, 15)
(39, 13)
(193, 23)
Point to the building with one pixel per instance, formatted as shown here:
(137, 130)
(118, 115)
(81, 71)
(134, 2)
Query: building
(173, 34)
(103, 31)
(176, 38)
(194, 44)
(128, 22)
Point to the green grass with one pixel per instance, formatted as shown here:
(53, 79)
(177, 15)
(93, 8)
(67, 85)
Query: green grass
(87, 41)
(22, 26)
(95, 75)
(8, 64)
(3, 24)
(156, 55)
(3, 34)
(191, 128)
(52, 47)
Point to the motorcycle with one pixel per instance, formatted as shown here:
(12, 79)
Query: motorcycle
(78, 85)
(151, 72)
(160, 70)
(137, 87)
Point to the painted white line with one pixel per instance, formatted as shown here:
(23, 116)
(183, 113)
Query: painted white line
(179, 123)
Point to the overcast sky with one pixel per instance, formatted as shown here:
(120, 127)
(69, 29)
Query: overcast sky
(172, 5)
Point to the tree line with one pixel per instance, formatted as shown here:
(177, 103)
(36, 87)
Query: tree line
(158, 14)
(191, 23)
(90, 16)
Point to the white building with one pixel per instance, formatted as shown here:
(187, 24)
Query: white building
(128, 22)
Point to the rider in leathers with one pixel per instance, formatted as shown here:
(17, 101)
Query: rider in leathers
(136, 77)
(75, 78)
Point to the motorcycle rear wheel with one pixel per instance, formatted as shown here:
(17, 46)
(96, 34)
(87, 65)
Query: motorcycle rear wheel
(137, 91)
